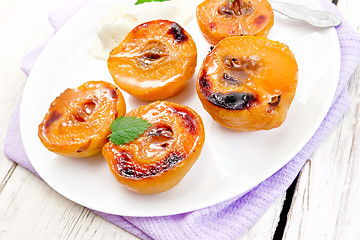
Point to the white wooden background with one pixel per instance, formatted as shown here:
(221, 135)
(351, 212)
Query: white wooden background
(325, 204)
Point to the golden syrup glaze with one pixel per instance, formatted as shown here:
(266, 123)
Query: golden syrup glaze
(163, 154)
(223, 18)
(78, 121)
(261, 96)
(154, 61)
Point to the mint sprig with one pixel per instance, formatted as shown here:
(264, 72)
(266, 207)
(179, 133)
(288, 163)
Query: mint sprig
(125, 129)
(144, 1)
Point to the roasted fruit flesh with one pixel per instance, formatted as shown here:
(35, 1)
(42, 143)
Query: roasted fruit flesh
(248, 83)
(159, 158)
(223, 18)
(155, 60)
(78, 121)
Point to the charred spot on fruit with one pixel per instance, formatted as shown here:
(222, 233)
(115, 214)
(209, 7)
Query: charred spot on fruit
(204, 81)
(232, 100)
(204, 84)
(128, 172)
(124, 165)
(260, 20)
(164, 145)
(187, 119)
(54, 115)
(275, 100)
(172, 159)
(178, 33)
(236, 8)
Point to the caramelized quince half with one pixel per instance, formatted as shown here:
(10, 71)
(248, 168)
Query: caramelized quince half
(218, 19)
(78, 121)
(248, 83)
(154, 61)
(159, 158)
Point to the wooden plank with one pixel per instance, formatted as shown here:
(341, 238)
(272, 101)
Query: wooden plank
(327, 196)
(30, 209)
(326, 199)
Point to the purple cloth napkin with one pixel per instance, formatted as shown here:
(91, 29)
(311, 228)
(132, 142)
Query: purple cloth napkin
(229, 219)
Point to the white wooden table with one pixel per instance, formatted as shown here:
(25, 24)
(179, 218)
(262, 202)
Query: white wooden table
(324, 203)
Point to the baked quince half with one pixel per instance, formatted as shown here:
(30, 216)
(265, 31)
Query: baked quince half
(154, 61)
(248, 83)
(158, 160)
(218, 19)
(78, 121)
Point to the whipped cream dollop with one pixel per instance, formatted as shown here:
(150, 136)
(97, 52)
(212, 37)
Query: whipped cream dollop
(120, 20)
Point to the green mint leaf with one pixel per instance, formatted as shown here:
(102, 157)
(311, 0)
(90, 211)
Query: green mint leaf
(144, 1)
(126, 129)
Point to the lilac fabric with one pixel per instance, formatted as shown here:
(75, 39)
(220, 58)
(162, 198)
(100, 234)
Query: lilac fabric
(229, 219)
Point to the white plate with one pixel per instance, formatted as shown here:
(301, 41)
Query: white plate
(231, 162)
